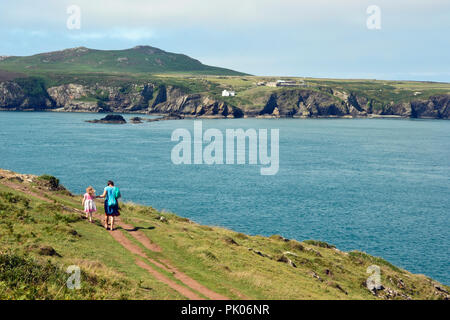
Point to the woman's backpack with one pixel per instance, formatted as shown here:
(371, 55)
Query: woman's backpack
(112, 201)
(117, 193)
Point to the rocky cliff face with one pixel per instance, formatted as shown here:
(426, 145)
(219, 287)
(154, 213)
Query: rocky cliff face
(172, 100)
(11, 94)
(162, 99)
(306, 103)
(17, 96)
(98, 98)
(435, 107)
(147, 98)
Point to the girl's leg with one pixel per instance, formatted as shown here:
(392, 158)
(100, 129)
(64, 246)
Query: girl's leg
(106, 221)
(112, 223)
(90, 217)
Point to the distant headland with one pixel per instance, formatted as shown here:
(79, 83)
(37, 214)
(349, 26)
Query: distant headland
(148, 80)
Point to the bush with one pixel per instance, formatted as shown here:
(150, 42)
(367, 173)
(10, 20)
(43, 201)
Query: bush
(51, 181)
(320, 244)
(102, 95)
(14, 198)
(126, 89)
(241, 236)
(295, 245)
(278, 238)
(358, 255)
(32, 86)
(66, 218)
(35, 90)
(26, 278)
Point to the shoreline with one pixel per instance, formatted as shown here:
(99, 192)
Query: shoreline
(191, 117)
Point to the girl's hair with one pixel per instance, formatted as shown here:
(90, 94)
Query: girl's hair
(90, 191)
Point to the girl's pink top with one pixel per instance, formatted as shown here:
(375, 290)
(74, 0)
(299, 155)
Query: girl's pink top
(87, 196)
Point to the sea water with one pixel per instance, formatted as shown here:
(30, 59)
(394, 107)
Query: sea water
(375, 185)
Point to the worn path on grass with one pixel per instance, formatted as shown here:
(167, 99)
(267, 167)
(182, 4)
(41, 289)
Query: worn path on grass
(192, 286)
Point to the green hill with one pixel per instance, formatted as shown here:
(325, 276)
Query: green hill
(140, 59)
(158, 255)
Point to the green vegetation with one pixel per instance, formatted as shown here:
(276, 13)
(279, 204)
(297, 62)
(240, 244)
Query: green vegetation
(41, 234)
(383, 92)
(34, 88)
(141, 59)
(251, 97)
(29, 225)
(52, 181)
(24, 277)
(320, 244)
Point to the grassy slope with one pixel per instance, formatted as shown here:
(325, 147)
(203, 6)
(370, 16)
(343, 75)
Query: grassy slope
(142, 59)
(251, 97)
(248, 94)
(218, 258)
(108, 268)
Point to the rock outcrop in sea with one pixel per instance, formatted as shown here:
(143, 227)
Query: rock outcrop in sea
(110, 119)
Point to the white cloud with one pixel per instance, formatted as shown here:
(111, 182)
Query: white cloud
(118, 33)
(214, 14)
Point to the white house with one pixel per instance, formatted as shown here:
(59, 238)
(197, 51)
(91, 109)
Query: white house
(226, 93)
(286, 83)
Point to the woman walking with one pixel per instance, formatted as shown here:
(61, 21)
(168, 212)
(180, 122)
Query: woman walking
(111, 195)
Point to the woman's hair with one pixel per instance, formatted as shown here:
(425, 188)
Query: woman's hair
(110, 183)
(90, 191)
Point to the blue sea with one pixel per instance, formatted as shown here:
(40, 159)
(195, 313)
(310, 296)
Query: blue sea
(376, 185)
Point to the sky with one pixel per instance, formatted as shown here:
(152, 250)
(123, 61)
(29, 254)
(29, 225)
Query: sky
(398, 40)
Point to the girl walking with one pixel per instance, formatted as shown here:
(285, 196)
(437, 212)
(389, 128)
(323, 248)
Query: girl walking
(89, 203)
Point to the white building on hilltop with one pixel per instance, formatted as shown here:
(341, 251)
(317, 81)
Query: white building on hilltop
(226, 93)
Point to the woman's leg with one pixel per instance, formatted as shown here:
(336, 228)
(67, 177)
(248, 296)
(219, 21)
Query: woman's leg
(106, 213)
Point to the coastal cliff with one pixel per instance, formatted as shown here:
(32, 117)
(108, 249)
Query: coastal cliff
(134, 98)
(33, 94)
(312, 104)
(146, 79)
